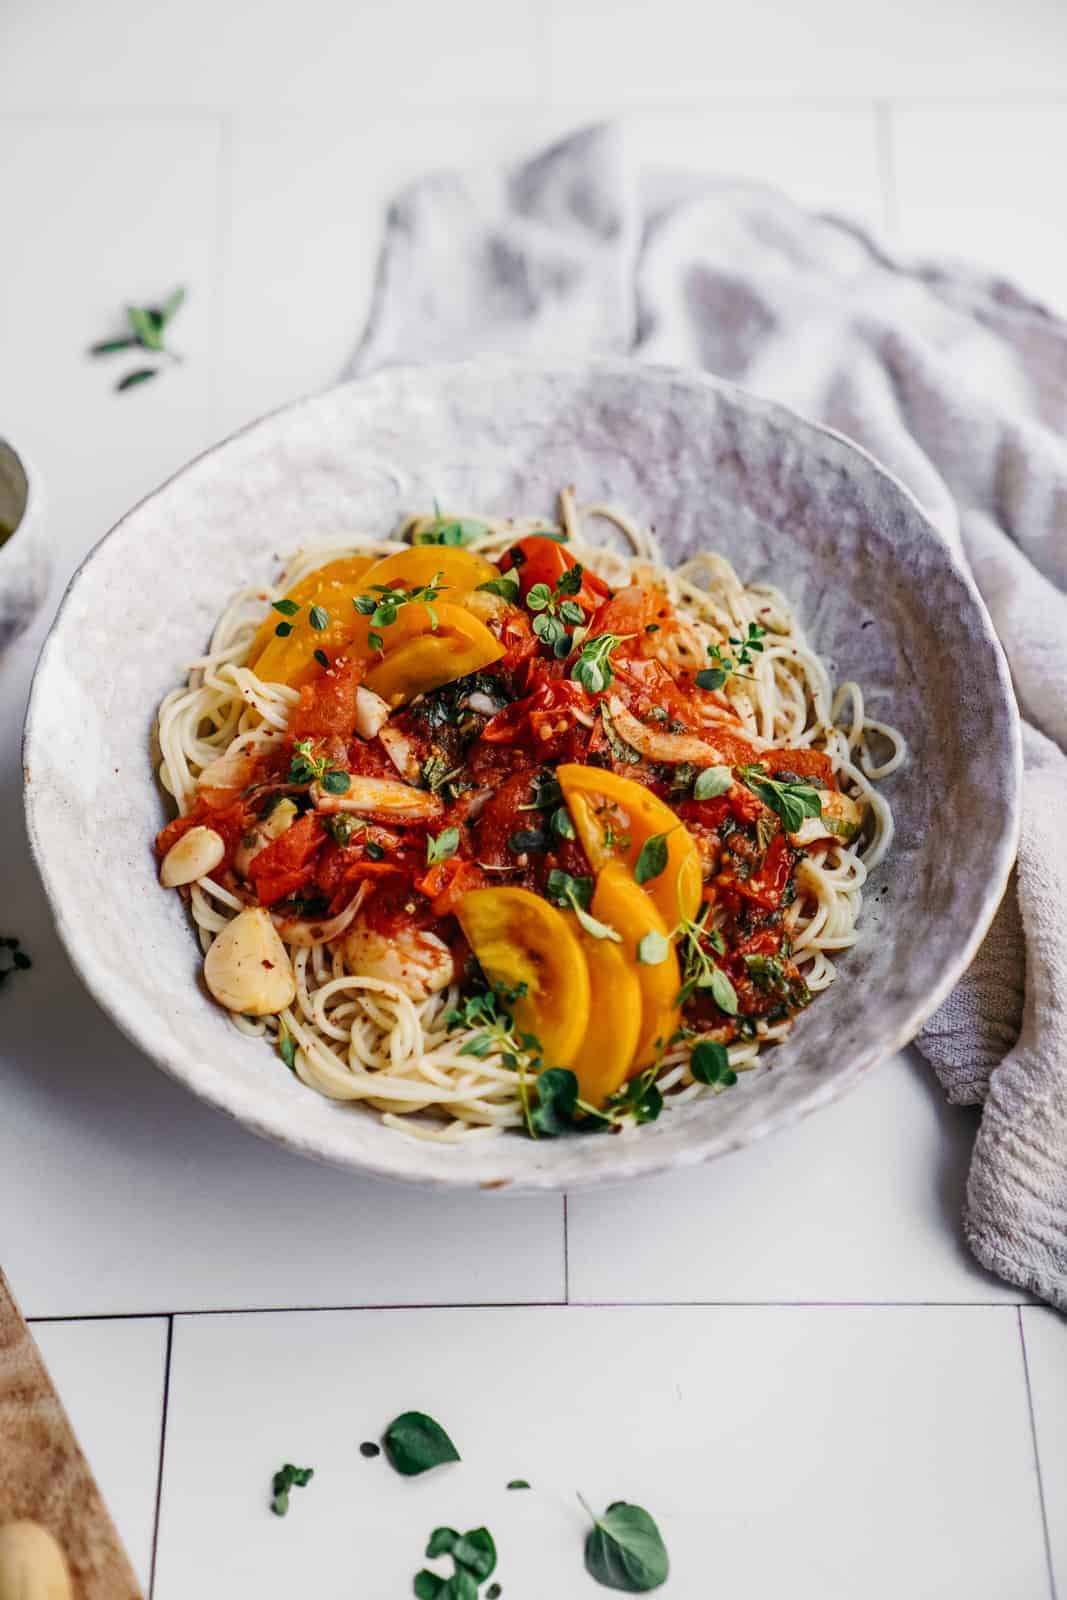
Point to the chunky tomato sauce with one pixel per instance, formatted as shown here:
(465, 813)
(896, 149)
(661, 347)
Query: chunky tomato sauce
(487, 747)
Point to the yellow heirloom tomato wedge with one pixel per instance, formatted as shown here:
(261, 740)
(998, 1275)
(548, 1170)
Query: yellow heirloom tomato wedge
(624, 905)
(429, 658)
(290, 658)
(605, 1056)
(455, 568)
(519, 938)
(614, 817)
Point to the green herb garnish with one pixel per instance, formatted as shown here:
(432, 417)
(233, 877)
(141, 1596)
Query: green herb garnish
(307, 767)
(709, 1063)
(711, 782)
(653, 858)
(725, 664)
(286, 1478)
(555, 609)
(414, 1443)
(593, 668)
(288, 608)
(518, 1483)
(286, 1047)
(445, 845)
(384, 610)
(147, 326)
(451, 530)
(624, 1549)
(473, 1557)
(319, 618)
(792, 801)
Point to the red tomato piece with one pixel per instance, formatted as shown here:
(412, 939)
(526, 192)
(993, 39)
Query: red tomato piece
(541, 560)
(629, 612)
(328, 705)
(288, 863)
(805, 763)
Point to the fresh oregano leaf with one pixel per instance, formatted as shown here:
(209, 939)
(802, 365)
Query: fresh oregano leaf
(625, 1550)
(653, 948)
(138, 375)
(652, 859)
(711, 782)
(414, 1443)
(709, 1062)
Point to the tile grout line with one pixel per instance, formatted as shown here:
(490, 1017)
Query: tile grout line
(887, 166)
(162, 1452)
(1037, 1455)
(536, 1305)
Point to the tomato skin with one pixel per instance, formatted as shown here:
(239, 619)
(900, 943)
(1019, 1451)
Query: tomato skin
(629, 611)
(502, 817)
(288, 863)
(543, 716)
(541, 560)
(448, 881)
(766, 886)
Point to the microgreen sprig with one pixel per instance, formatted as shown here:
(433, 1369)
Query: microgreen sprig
(593, 668)
(726, 664)
(556, 608)
(308, 767)
(382, 605)
(147, 326)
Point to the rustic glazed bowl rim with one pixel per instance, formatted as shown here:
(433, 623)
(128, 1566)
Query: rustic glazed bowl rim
(640, 1161)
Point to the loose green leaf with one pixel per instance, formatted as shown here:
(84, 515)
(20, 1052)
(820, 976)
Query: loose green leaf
(476, 1552)
(287, 1048)
(711, 782)
(709, 1062)
(653, 948)
(171, 305)
(710, 678)
(109, 347)
(624, 1550)
(562, 825)
(445, 845)
(288, 608)
(518, 1483)
(539, 597)
(557, 1101)
(592, 925)
(144, 327)
(722, 991)
(284, 629)
(564, 889)
(505, 586)
(286, 1478)
(415, 1443)
(428, 1585)
(528, 841)
(375, 640)
(319, 618)
(336, 782)
(792, 801)
(137, 376)
(593, 668)
(441, 1542)
(652, 859)
(322, 658)
(375, 851)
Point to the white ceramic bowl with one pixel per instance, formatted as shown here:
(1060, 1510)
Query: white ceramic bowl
(876, 587)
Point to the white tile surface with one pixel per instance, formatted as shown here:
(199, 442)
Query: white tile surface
(853, 1434)
(119, 1192)
(827, 48)
(1045, 1333)
(115, 53)
(985, 184)
(109, 1375)
(860, 1202)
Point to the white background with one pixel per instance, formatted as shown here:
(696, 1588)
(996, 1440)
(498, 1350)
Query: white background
(788, 1357)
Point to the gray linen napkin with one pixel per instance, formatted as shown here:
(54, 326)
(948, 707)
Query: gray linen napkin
(953, 379)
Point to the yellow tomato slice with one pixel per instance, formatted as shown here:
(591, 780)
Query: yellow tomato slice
(291, 659)
(519, 938)
(426, 660)
(460, 570)
(605, 1056)
(624, 905)
(614, 816)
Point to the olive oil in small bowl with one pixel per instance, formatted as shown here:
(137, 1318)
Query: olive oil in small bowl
(24, 563)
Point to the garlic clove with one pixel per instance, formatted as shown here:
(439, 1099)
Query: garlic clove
(191, 857)
(247, 968)
(32, 1566)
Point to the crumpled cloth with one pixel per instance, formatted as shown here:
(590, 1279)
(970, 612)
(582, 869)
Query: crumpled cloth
(955, 380)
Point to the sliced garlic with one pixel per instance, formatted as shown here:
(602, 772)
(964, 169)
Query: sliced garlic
(32, 1566)
(247, 967)
(193, 856)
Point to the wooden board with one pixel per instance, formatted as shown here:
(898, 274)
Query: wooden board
(43, 1474)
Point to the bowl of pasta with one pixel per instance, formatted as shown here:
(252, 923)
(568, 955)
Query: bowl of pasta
(537, 777)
